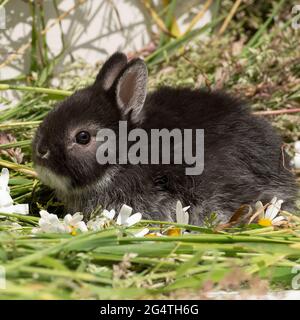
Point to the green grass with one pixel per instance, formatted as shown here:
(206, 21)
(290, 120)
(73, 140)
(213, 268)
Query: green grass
(104, 264)
(254, 58)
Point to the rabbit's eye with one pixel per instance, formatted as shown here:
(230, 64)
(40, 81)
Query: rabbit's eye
(83, 137)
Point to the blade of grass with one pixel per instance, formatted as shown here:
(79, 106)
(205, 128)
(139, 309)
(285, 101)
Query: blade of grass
(170, 5)
(199, 16)
(255, 40)
(229, 17)
(18, 167)
(54, 92)
(19, 125)
(24, 143)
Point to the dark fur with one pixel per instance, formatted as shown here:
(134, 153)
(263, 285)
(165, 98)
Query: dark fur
(243, 154)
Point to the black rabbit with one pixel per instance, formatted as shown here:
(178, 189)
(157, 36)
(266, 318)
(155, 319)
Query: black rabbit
(243, 157)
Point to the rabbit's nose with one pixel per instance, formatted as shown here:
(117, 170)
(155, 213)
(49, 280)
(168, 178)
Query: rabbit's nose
(43, 152)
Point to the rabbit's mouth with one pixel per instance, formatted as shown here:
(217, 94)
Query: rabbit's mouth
(53, 180)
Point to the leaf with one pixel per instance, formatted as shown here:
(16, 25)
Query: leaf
(238, 217)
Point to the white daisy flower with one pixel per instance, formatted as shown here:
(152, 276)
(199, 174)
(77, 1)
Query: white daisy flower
(49, 223)
(74, 223)
(182, 217)
(98, 223)
(6, 201)
(126, 219)
(270, 217)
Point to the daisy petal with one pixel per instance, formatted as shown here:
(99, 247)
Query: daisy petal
(96, 224)
(8, 209)
(4, 178)
(297, 146)
(182, 216)
(259, 206)
(141, 233)
(186, 218)
(124, 214)
(259, 210)
(67, 219)
(21, 208)
(77, 217)
(109, 214)
(273, 209)
(277, 219)
(179, 212)
(53, 219)
(82, 226)
(297, 161)
(135, 218)
(5, 199)
(44, 214)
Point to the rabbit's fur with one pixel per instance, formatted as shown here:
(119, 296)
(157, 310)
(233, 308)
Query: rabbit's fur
(243, 157)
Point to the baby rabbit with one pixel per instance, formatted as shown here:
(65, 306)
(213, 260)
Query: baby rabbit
(243, 157)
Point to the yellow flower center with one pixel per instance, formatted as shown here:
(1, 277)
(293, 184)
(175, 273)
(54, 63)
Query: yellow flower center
(173, 232)
(265, 222)
(151, 235)
(73, 231)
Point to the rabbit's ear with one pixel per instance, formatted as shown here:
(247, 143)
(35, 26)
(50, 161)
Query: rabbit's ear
(131, 88)
(111, 70)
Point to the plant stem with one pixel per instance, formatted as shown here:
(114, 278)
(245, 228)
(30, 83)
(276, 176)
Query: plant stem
(18, 125)
(18, 167)
(58, 92)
